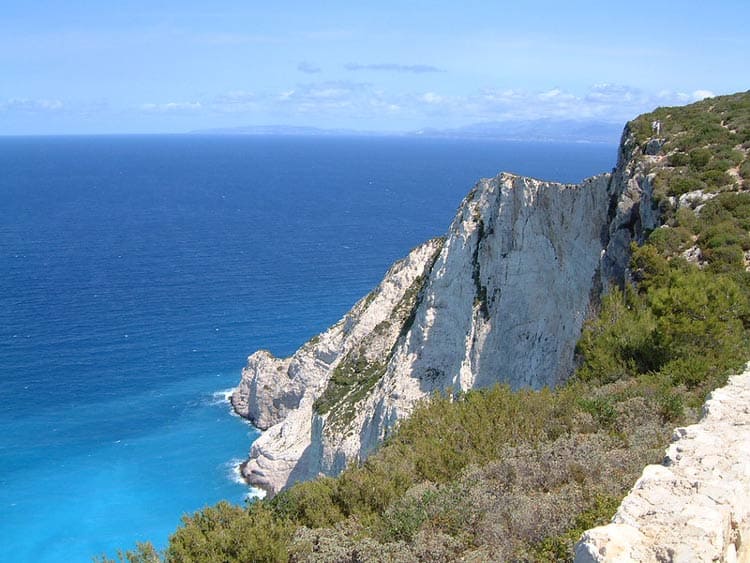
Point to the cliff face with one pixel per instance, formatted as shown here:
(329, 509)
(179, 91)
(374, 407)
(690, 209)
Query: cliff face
(501, 299)
(279, 395)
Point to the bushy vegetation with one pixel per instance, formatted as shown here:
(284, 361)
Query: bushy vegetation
(497, 474)
(350, 381)
(706, 145)
(505, 474)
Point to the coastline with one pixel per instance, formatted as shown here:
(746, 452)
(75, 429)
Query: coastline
(238, 465)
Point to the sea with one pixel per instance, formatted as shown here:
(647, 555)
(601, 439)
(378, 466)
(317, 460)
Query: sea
(137, 273)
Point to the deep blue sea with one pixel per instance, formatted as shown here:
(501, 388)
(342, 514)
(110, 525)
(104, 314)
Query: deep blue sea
(137, 274)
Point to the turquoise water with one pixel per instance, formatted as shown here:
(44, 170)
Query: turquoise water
(139, 272)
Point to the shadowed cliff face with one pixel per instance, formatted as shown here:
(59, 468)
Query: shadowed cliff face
(501, 299)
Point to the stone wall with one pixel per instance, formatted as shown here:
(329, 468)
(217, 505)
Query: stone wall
(695, 506)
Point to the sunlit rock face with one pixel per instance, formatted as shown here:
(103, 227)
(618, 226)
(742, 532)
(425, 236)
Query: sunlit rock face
(501, 298)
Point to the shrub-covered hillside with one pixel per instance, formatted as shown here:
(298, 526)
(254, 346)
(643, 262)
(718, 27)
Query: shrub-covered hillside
(706, 144)
(497, 475)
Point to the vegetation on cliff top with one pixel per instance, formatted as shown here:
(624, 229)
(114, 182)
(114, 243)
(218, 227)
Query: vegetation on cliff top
(498, 475)
(706, 145)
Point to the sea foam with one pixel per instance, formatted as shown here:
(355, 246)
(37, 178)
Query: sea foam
(234, 473)
(222, 397)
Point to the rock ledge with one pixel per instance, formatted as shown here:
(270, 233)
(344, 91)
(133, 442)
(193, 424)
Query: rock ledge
(695, 506)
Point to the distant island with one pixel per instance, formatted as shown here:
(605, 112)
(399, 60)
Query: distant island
(284, 130)
(535, 130)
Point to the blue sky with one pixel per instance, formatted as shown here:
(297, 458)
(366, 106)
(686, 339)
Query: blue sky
(150, 66)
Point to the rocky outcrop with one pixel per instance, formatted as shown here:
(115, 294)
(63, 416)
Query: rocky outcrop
(501, 299)
(695, 506)
(635, 213)
(279, 395)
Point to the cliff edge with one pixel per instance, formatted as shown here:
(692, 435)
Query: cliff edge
(501, 298)
(695, 506)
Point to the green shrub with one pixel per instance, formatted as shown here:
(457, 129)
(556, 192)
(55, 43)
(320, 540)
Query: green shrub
(700, 314)
(715, 179)
(719, 165)
(728, 155)
(369, 489)
(312, 503)
(403, 518)
(726, 233)
(144, 552)
(729, 208)
(679, 159)
(680, 184)
(618, 342)
(559, 547)
(686, 218)
(745, 170)
(725, 259)
(671, 407)
(601, 409)
(670, 241)
(229, 533)
(699, 158)
(690, 372)
(649, 266)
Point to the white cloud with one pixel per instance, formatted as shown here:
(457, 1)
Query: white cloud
(171, 107)
(308, 67)
(507, 96)
(615, 93)
(355, 100)
(362, 104)
(702, 94)
(669, 97)
(28, 105)
(330, 97)
(550, 94)
(431, 98)
(602, 101)
(329, 93)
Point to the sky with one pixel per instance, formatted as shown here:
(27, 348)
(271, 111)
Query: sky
(131, 66)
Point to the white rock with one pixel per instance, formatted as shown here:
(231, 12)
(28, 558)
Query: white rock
(277, 395)
(695, 198)
(516, 272)
(613, 543)
(698, 508)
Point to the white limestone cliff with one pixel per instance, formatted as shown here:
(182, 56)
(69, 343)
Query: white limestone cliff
(695, 506)
(502, 299)
(277, 395)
